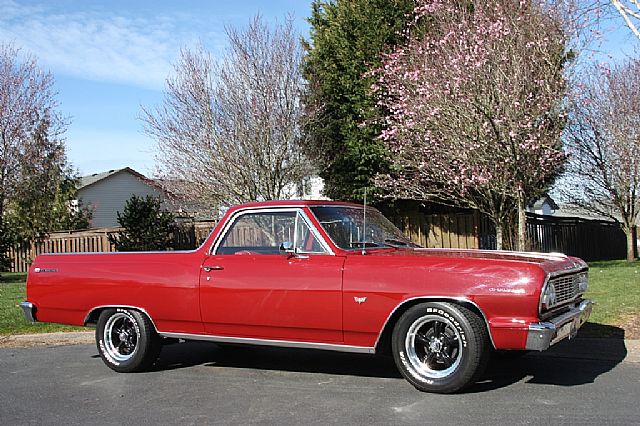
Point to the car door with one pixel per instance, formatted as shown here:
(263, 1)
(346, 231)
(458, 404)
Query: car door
(250, 288)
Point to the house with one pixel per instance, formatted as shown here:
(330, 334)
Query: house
(106, 193)
(309, 189)
(544, 206)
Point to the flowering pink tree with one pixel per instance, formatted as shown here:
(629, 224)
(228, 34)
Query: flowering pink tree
(475, 106)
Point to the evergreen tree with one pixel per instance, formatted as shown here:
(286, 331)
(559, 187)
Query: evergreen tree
(5, 242)
(45, 200)
(37, 184)
(348, 38)
(146, 226)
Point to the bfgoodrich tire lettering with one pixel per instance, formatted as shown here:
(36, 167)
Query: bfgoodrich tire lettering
(126, 340)
(440, 347)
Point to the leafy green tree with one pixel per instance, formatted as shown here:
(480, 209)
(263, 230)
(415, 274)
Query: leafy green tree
(146, 226)
(348, 38)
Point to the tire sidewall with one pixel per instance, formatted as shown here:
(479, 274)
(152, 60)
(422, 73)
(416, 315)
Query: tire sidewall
(138, 356)
(468, 352)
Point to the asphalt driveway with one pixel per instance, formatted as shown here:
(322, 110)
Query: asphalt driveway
(582, 382)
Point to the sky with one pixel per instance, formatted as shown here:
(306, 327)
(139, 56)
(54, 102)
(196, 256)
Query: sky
(110, 57)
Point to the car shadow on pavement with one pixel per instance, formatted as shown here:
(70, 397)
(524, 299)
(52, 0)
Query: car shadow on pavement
(569, 363)
(189, 354)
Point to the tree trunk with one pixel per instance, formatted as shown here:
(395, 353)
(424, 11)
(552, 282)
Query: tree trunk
(631, 244)
(498, 236)
(522, 222)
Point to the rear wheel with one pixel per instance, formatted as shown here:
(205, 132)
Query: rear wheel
(126, 340)
(440, 347)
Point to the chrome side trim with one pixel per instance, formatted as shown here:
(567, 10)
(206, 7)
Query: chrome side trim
(137, 308)
(29, 309)
(437, 298)
(531, 254)
(545, 334)
(268, 342)
(115, 253)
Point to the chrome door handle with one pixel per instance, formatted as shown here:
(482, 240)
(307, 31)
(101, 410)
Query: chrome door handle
(213, 268)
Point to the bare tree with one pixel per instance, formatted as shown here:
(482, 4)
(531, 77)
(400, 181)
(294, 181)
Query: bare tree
(476, 107)
(630, 12)
(31, 148)
(229, 131)
(603, 143)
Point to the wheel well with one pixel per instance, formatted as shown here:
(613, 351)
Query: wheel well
(383, 346)
(92, 317)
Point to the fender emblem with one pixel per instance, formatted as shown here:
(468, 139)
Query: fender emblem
(360, 300)
(38, 270)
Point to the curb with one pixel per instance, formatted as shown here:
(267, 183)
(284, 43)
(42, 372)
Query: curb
(633, 350)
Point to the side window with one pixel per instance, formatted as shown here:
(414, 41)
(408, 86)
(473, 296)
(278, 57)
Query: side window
(259, 233)
(306, 241)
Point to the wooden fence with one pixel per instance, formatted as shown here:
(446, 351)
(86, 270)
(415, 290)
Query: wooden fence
(21, 255)
(588, 239)
(454, 230)
(187, 237)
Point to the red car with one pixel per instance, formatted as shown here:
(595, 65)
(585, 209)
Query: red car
(322, 275)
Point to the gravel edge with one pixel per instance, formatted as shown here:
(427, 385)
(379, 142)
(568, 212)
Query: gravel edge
(47, 339)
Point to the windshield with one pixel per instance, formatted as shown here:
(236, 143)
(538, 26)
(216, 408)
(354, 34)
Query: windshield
(344, 225)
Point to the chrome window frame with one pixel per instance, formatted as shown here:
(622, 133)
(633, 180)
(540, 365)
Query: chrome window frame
(299, 212)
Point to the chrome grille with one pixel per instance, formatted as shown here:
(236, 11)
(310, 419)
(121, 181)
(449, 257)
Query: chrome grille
(567, 287)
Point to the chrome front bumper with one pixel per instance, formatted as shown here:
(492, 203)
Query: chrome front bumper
(544, 334)
(29, 311)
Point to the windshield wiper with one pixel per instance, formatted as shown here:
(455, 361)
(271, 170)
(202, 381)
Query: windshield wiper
(361, 244)
(396, 243)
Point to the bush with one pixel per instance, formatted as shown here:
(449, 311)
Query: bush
(146, 226)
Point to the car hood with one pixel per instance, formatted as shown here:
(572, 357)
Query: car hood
(550, 262)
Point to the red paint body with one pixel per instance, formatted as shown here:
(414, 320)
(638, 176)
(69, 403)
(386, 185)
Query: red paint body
(288, 298)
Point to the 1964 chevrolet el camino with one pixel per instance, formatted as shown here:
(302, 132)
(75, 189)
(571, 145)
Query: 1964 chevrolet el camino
(323, 275)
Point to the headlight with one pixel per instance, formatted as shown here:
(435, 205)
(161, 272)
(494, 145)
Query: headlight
(548, 299)
(583, 282)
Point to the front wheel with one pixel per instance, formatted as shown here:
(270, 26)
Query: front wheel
(440, 347)
(127, 340)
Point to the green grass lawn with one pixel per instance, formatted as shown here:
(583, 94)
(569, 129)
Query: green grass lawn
(12, 321)
(613, 285)
(615, 288)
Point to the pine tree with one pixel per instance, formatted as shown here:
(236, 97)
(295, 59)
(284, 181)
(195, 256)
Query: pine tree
(146, 226)
(348, 38)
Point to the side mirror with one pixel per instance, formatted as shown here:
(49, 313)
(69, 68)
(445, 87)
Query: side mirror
(286, 248)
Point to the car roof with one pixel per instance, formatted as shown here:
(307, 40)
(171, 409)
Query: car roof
(294, 203)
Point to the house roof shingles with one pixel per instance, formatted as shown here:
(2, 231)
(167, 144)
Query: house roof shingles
(96, 177)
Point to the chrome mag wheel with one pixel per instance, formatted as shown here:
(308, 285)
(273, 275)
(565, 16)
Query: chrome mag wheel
(127, 340)
(121, 336)
(433, 346)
